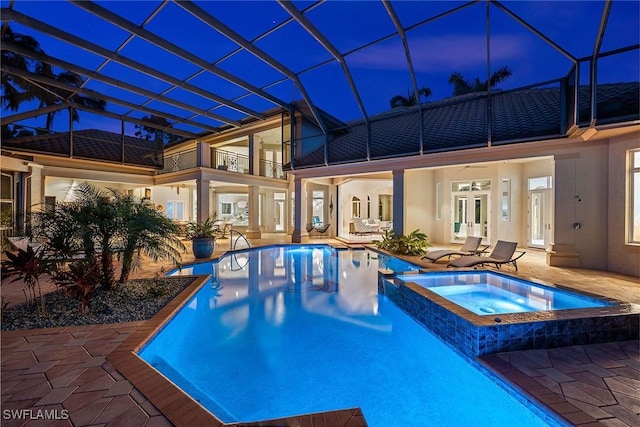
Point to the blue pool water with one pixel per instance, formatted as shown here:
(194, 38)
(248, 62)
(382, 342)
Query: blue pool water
(283, 331)
(487, 293)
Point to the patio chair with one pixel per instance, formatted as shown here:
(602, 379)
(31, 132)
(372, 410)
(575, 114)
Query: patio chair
(470, 247)
(360, 227)
(321, 229)
(503, 253)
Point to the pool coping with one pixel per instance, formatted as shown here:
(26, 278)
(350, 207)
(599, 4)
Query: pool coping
(180, 408)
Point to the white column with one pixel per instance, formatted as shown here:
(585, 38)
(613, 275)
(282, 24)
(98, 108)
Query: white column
(562, 250)
(300, 209)
(37, 188)
(204, 197)
(253, 230)
(398, 202)
(254, 155)
(204, 154)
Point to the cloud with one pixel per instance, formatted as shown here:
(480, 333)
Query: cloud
(456, 52)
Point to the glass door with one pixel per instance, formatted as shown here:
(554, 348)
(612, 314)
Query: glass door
(471, 201)
(279, 212)
(479, 218)
(540, 212)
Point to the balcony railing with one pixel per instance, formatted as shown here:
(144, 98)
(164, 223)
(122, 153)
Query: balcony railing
(271, 169)
(222, 160)
(229, 161)
(180, 161)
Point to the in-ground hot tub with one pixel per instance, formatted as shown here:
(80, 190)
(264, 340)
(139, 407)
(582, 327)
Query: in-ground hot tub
(482, 312)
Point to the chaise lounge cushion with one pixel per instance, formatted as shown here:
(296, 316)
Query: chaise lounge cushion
(470, 247)
(502, 254)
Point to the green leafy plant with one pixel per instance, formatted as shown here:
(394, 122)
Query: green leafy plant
(102, 224)
(415, 243)
(207, 228)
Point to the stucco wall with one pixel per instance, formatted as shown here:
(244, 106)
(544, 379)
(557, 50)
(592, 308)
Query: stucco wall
(622, 257)
(419, 194)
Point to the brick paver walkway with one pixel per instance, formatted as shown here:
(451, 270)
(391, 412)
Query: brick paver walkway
(62, 373)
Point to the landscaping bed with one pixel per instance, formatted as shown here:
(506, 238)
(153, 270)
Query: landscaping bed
(136, 300)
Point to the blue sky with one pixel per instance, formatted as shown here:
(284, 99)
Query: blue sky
(454, 43)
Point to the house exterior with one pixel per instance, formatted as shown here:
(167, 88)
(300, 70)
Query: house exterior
(216, 176)
(544, 179)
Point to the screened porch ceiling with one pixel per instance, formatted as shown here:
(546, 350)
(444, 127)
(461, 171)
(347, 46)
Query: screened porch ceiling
(206, 66)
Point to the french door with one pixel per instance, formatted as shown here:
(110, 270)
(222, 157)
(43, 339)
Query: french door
(471, 203)
(540, 211)
(539, 218)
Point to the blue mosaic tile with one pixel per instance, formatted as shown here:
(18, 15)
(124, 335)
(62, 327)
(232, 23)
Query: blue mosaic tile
(474, 340)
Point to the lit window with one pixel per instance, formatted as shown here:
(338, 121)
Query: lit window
(175, 210)
(633, 218)
(506, 199)
(438, 201)
(355, 207)
(6, 202)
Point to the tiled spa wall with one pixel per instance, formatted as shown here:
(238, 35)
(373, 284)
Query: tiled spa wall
(466, 331)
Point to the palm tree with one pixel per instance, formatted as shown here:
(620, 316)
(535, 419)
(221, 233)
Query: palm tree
(104, 224)
(154, 133)
(411, 99)
(461, 86)
(17, 90)
(75, 80)
(145, 232)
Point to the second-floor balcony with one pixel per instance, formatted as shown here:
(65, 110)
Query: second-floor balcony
(222, 160)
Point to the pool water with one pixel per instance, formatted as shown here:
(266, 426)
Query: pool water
(487, 293)
(284, 331)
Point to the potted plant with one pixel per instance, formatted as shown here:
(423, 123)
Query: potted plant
(202, 235)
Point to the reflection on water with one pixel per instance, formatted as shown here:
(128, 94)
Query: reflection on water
(285, 330)
(309, 271)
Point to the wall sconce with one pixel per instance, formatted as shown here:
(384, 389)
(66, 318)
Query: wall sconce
(331, 206)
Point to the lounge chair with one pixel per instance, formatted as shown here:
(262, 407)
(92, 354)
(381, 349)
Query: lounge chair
(360, 227)
(470, 247)
(503, 253)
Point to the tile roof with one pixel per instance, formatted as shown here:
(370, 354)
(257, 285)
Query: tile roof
(461, 122)
(91, 144)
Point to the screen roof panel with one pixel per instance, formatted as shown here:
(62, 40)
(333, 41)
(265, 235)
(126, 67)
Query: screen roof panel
(180, 28)
(349, 25)
(240, 59)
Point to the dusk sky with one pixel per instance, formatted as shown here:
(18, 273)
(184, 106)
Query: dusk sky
(454, 43)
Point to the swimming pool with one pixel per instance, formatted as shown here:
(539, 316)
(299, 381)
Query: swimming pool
(488, 293)
(281, 331)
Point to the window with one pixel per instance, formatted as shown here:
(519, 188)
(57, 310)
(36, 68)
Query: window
(318, 207)
(506, 199)
(355, 207)
(225, 208)
(175, 210)
(540, 183)
(633, 185)
(438, 201)
(6, 201)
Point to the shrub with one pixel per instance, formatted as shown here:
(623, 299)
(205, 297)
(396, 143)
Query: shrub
(416, 243)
